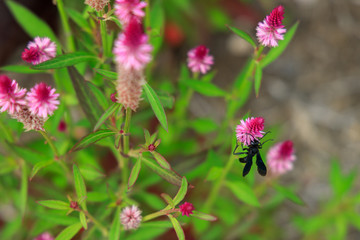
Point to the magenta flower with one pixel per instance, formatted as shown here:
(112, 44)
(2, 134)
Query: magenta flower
(250, 130)
(131, 217)
(42, 100)
(40, 50)
(186, 208)
(11, 96)
(125, 10)
(44, 236)
(132, 49)
(271, 30)
(98, 5)
(280, 157)
(199, 59)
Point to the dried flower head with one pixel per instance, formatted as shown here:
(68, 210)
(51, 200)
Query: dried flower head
(199, 59)
(280, 157)
(131, 217)
(11, 96)
(98, 5)
(44, 236)
(249, 130)
(186, 208)
(271, 30)
(125, 10)
(30, 121)
(39, 50)
(42, 100)
(132, 49)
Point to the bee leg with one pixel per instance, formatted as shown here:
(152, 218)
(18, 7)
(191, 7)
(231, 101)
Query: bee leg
(242, 160)
(260, 165)
(248, 165)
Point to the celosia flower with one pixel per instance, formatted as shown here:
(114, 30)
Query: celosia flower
(271, 30)
(280, 157)
(125, 10)
(44, 236)
(42, 100)
(98, 5)
(40, 50)
(249, 130)
(186, 208)
(199, 59)
(131, 217)
(132, 49)
(11, 96)
(62, 126)
(30, 121)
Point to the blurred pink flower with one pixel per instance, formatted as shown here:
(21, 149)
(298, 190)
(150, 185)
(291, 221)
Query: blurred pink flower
(280, 157)
(98, 5)
(132, 49)
(249, 130)
(271, 30)
(44, 236)
(40, 50)
(42, 100)
(199, 59)
(125, 10)
(131, 217)
(11, 96)
(186, 208)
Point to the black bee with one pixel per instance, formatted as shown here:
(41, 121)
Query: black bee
(251, 151)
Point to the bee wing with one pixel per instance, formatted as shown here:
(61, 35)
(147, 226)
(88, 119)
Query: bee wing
(248, 165)
(260, 164)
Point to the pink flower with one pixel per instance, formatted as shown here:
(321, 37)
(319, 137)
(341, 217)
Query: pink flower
(131, 217)
(271, 30)
(250, 130)
(280, 157)
(44, 236)
(30, 121)
(186, 208)
(125, 10)
(42, 100)
(199, 59)
(98, 5)
(132, 49)
(11, 96)
(40, 50)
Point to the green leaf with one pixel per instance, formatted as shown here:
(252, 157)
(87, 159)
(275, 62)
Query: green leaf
(83, 220)
(91, 173)
(23, 189)
(166, 100)
(147, 137)
(289, 194)
(157, 19)
(168, 200)
(78, 19)
(203, 125)
(79, 186)
(275, 52)
(214, 173)
(97, 197)
(258, 76)
(161, 160)
(69, 232)
(20, 69)
(92, 138)
(38, 166)
(31, 24)
(343, 186)
(204, 216)
(134, 173)
(243, 192)
(156, 105)
(106, 115)
(109, 74)
(243, 35)
(55, 204)
(99, 95)
(178, 229)
(169, 175)
(205, 88)
(115, 226)
(182, 191)
(65, 60)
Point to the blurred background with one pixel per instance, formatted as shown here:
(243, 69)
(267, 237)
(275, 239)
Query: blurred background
(311, 92)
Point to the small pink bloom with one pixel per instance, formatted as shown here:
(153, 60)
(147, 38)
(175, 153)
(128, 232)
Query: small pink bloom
(113, 97)
(62, 126)
(40, 50)
(11, 96)
(44, 236)
(250, 130)
(98, 5)
(199, 59)
(280, 157)
(186, 208)
(125, 10)
(271, 30)
(42, 100)
(131, 217)
(132, 49)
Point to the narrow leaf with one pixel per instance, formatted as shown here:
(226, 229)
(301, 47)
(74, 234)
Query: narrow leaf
(182, 191)
(65, 60)
(23, 189)
(161, 160)
(92, 138)
(243, 35)
(20, 69)
(78, 19)
(243, 192)
(168, 175)
(275, 52)
(258, 76)
(204, 216)
(156, 105)
(55, 204)
(69, 232)
(177, 227)
(115, 226)
(79, 186)
(147, 137)
(205, 88)
(38, 166)
(289, 194)
(106, 115)
(134, 173)
(168, 200)
(109, 74)
(83, 220)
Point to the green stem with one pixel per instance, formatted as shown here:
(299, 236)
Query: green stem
(104, 37)
(50, 142)
(125, 170)
(97, 223)
(147, 16)
(67, 30)
(159, 213)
